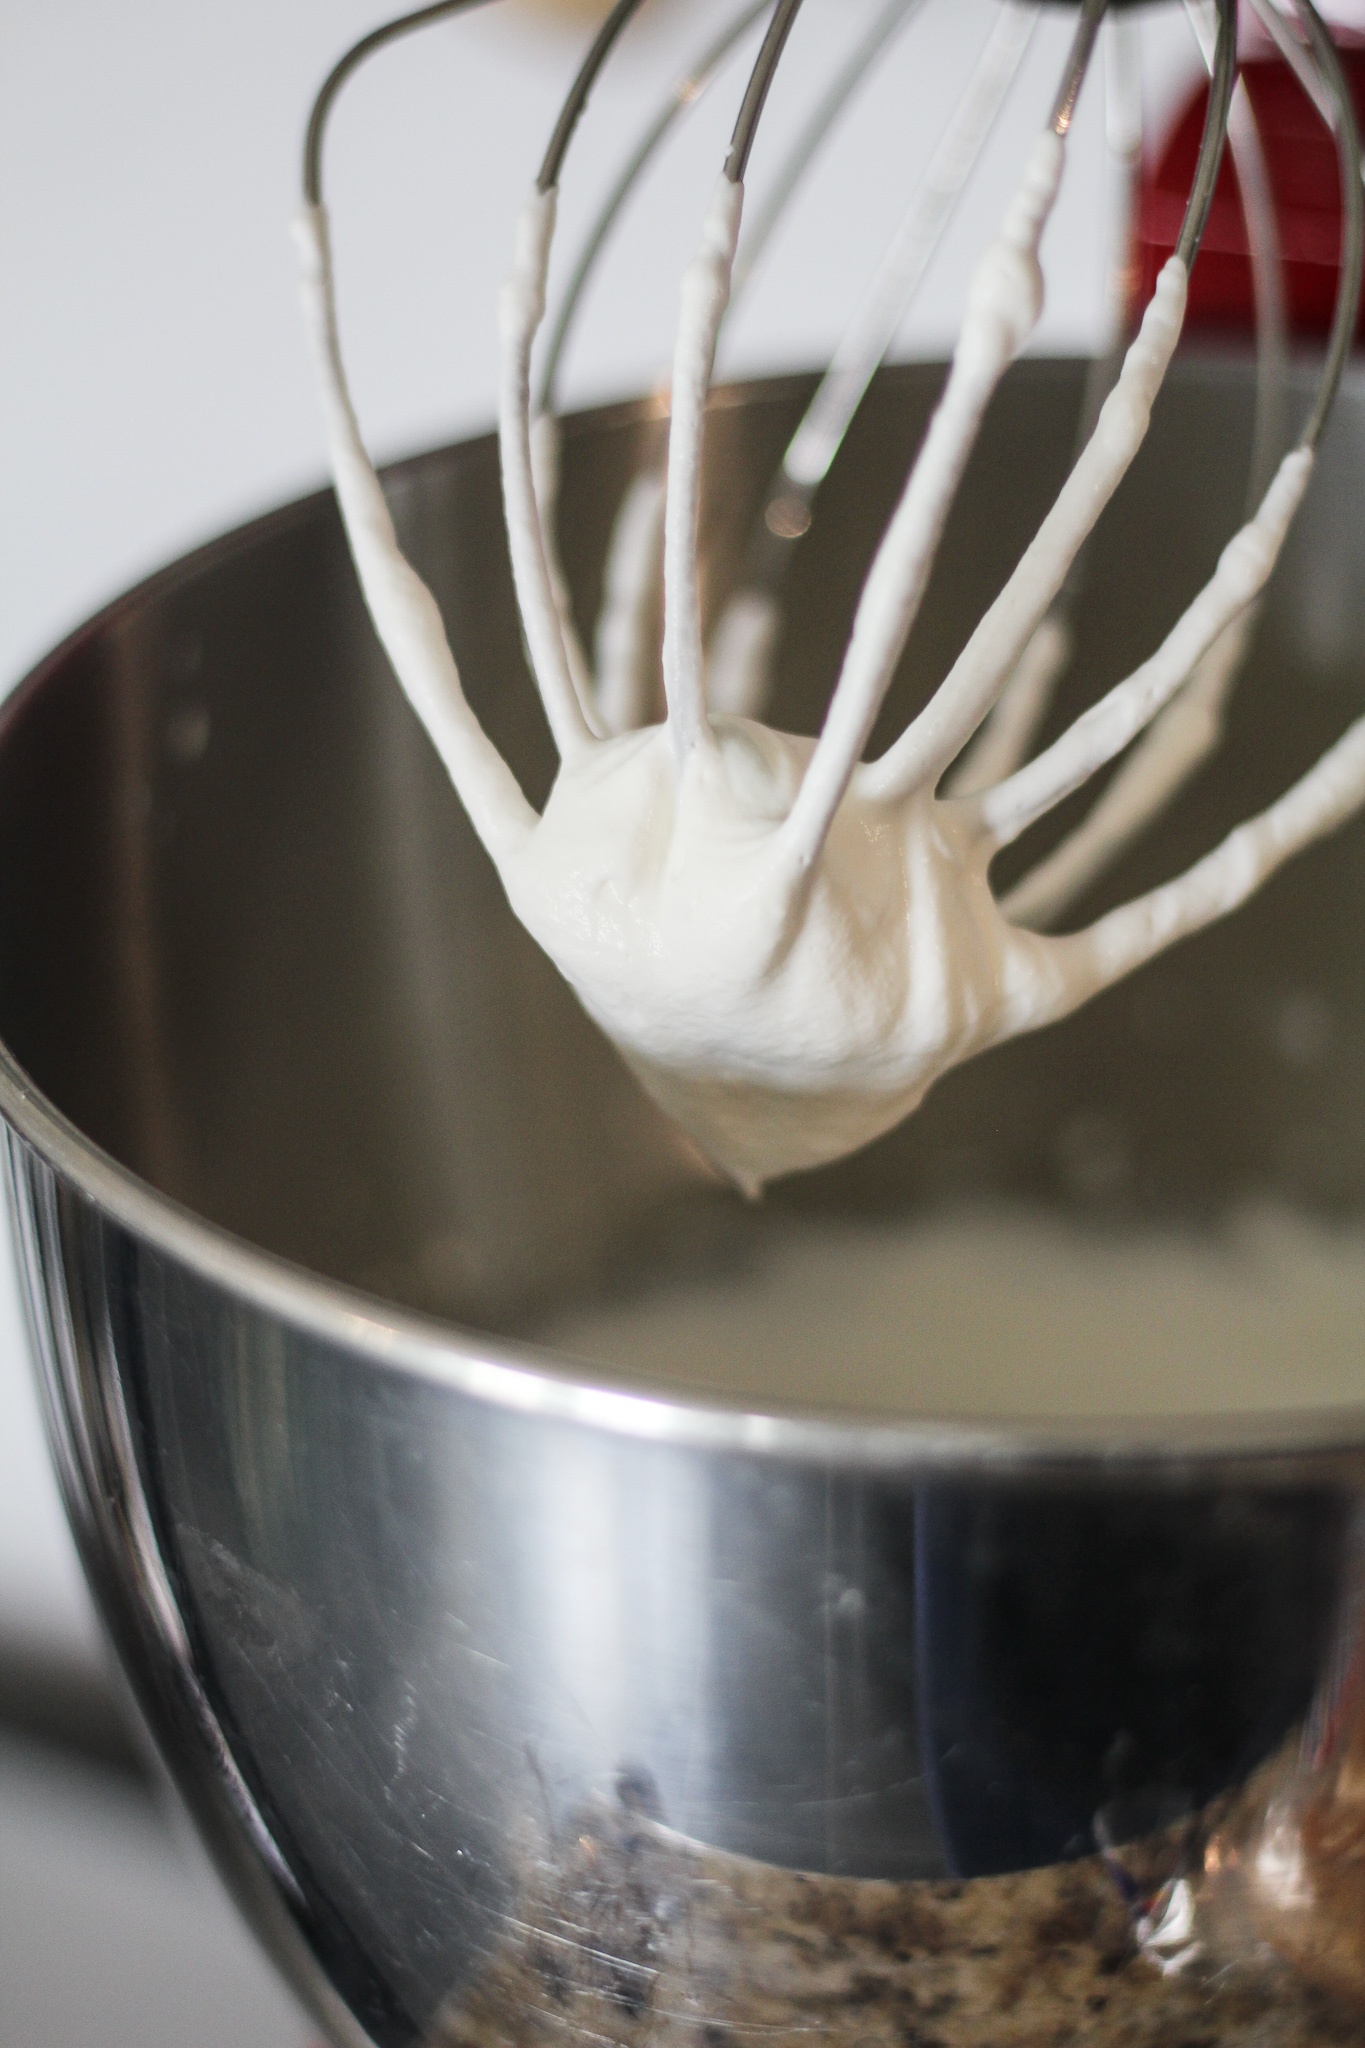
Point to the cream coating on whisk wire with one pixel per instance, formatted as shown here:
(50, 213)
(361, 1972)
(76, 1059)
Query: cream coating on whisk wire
(790, 945)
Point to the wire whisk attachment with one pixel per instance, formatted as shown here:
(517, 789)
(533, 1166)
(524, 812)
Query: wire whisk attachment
(791, 942)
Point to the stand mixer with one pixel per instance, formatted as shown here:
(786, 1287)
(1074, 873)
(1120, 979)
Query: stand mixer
(523, 1699)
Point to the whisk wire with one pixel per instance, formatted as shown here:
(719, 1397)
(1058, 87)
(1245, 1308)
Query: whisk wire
(1214, 137)
(758, 88)
(624, 686)
(350, 61)
(1003, 308)
(1353, 217)
(1077, 64)
(805, 146)
(746, 634)
(571, 112)
(1183, 735)
(687, 90)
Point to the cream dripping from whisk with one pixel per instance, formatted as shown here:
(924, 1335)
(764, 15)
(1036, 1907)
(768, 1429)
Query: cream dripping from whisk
(788, 944)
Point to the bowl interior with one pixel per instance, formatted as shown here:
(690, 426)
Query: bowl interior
(249, 944)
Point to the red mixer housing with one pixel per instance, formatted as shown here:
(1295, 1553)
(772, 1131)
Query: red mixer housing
(1306, 184)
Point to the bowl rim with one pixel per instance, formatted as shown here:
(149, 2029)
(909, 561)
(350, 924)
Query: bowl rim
(519, 1375)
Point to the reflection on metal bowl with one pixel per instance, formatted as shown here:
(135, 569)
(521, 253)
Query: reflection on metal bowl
(522, 1699)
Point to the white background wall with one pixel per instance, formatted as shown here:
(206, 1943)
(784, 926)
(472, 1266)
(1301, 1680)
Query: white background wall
(153, 385)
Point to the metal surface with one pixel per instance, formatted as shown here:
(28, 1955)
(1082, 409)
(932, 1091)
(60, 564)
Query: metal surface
(306, 1138)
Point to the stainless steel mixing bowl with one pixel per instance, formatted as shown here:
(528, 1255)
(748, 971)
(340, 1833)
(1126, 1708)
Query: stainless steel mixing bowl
(521, 1702)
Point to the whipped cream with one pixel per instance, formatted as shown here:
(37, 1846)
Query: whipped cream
(789, 945)
(1000, 1312)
